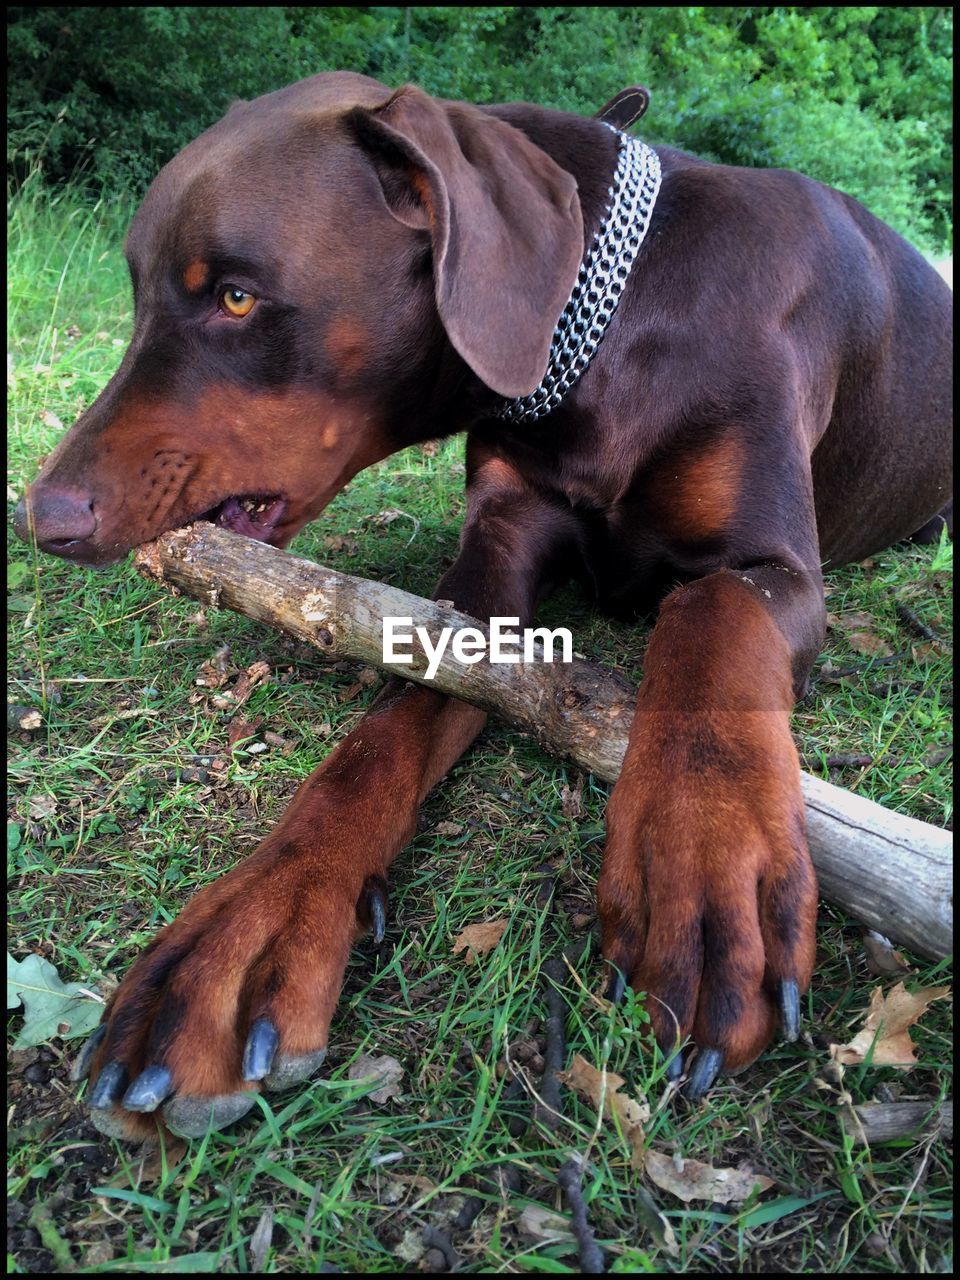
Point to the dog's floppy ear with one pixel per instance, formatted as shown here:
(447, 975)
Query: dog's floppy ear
(504, 220)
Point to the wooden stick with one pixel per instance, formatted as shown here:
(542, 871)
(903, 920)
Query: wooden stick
(879, 1122)
(890, 871)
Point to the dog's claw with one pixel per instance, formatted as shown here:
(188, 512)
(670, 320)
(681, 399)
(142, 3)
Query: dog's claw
(705, 1071)
(289, 1070)
(110, 1084)
(193, 1117)
(790, 1009)
(377, 906)
(616, 987)
(149, 1089)
(260, 1049)
(81, 1067)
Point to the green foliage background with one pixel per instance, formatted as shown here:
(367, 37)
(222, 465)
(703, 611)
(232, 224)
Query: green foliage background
(859, 97)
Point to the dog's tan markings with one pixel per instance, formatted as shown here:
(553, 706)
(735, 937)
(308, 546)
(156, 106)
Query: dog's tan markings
(195, 276)
(696, 494)
(496, 473)
(348, 346)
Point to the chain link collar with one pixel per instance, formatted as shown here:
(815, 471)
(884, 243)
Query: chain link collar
(600, 283)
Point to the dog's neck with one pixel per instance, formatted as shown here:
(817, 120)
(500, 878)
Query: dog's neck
(600, 283)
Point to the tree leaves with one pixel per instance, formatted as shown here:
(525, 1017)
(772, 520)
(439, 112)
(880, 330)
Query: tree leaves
(603, 1088)
(691, 1180)
(51, 1007)
(884, 1037)
(384, 1070)
(478, 939)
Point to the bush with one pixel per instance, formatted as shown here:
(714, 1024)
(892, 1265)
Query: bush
(858, 97)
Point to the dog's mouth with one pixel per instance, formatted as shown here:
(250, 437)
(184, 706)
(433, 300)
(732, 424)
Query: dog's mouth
(254, 515)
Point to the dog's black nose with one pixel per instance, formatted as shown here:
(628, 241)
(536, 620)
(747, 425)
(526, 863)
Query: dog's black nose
(63, 521)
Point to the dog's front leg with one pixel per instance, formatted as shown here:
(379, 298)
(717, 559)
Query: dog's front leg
(238, 992)
(707, 896)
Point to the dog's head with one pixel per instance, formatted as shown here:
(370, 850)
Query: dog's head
(315, 278)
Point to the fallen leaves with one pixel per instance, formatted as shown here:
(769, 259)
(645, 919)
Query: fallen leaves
(885, 1030)
(448, 829)
(686, 1179)
(51, 1007)
(603, 1088)
(478, 939)
(239, 729)
(338, 542)
(571, 800)
(857, 628)
(543, 1224)
(690, 1180)
(883, 960)
(382, 1068)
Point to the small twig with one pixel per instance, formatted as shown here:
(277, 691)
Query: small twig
(915, 624)
(549, 1114)
(843, 761)
(591, 1255)
(856, 667)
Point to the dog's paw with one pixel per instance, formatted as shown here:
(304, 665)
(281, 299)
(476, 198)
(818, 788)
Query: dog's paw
(707, 902)
(235, 996)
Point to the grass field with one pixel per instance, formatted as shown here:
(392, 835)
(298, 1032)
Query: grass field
(125, 800)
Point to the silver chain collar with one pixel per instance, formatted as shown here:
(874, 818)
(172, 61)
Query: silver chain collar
(603, 274)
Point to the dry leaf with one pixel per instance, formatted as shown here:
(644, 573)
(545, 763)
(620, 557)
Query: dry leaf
(479, 938)
(855, 620)
(691, 1180)
(570, 801)
(594, 1085)
(239, 728)
(42, 806)
(860, 636)
(649, 1216)
(337, 542)
(384, 517)
(368, 677)
(448, 829)
(543, 1224)
(866, 642)
(383, 1068)
(260, 1241)
(890, 1015)
(882, 960)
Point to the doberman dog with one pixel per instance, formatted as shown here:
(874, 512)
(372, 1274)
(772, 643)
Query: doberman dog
(335, 271)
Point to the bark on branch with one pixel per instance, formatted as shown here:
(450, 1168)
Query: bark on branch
(890, 871)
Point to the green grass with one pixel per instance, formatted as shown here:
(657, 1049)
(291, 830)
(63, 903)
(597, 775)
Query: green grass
(107, 837)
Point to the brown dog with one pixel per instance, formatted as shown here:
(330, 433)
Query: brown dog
(335, 271)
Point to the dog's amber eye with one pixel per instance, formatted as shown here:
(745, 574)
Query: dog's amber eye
(236, 302)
